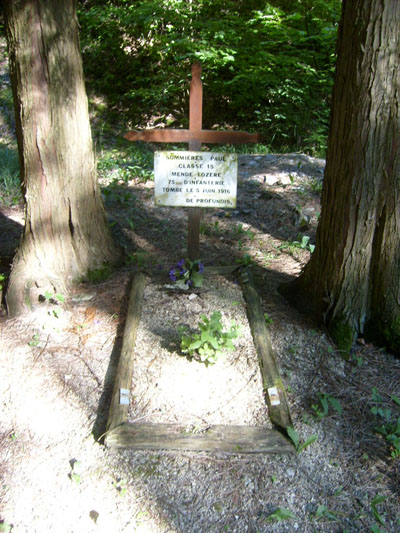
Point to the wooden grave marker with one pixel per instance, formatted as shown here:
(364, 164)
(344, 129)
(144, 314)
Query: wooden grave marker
(195, 136)
(231, 439)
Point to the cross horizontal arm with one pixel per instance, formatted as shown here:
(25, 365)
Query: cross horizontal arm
(203, 136)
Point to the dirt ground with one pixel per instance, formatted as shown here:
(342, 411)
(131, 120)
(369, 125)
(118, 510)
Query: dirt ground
(57, 367)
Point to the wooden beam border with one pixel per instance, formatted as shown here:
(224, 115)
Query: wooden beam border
(218, 438)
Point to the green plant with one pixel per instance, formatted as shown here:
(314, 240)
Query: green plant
(246, 260)
(390, 423)
(293, 349)
(295, 438)
(323, 513)
(53, 298)
(98, 275)
(321, 410)
(138, 258)
(35, 340)
(268, 319)
(316, 185)
(267, 257)
(10, 186)
(378, 499)
(75, 474)
(239, 230)
(303, 244)
(210, 229)
(126, 164)
(358, 360)
(120, 486)
(211, 341)
(186, 274)
(280, 515)
(6, 527)
(2, 278)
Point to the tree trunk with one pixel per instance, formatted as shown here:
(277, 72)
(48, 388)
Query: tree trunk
(352, 281)
(66, 232)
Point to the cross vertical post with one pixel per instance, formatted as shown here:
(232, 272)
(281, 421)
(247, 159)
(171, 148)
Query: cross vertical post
(195, 124)
(195, 135)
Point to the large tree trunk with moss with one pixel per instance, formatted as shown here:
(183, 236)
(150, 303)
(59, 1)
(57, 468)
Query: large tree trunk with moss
(352, 281)
(66, 232)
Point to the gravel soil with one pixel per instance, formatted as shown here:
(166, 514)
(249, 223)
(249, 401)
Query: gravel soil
(171, 388)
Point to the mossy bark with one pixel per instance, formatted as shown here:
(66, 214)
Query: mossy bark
(352, 279)
(66, 232)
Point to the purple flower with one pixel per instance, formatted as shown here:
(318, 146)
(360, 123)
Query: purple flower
(181, 263)
(172, 274)
(201, 268)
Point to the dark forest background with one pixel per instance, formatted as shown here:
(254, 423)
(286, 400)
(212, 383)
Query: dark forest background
(267, 66)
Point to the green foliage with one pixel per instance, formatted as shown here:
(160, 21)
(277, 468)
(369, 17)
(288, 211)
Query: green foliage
(2, 278)
(323, 513)
(10, 186)
(239, 230)
(268, 320)
(35, 341)
(126, 163)
(342, 334)
(138, 258)
(303, 244)
(120, 486)
(245, 261)
(267, 66)
(389, 421)
(295, 438)
(321, 409)
(211, 341)
(75, 474)
(98, 275)
(281, 514)
(53, 298)
(210, 229)
(378, 499)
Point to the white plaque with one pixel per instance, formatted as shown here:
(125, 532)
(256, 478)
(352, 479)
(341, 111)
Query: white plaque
(274, 396)
(195, 179)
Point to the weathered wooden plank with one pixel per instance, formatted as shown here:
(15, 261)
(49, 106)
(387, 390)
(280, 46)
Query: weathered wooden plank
(278, 407)
(193, 236)
(185, 136)
(196, 101)
(229, 439)
(123, 380)
(195, 124)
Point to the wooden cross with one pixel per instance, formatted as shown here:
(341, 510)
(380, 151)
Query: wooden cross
(195, 135)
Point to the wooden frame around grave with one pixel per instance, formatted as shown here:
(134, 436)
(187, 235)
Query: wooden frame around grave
(231, 439)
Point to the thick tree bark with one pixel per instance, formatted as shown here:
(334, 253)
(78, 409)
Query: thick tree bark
(352, 281)
(66, 232)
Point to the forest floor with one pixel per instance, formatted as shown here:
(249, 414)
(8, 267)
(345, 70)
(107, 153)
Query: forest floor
(58, 364)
